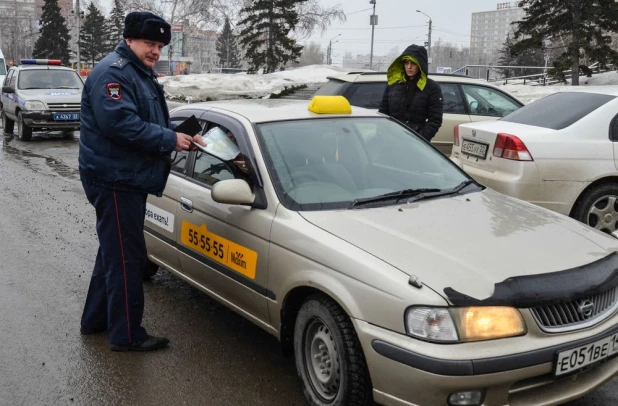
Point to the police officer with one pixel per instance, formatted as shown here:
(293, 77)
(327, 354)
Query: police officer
(125, 145)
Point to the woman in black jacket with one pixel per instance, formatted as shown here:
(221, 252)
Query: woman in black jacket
(411, 97)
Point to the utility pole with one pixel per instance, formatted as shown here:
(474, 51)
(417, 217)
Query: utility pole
(329, 51)
(373, 21)
(428, 38)
(78, 15)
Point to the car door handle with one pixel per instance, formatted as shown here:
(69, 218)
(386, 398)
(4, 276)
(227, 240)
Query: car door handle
(186, 204)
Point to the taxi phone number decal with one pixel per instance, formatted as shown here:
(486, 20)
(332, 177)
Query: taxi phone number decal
(234, 256)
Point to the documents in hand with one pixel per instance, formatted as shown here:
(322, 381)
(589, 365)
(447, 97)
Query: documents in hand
(219, 145)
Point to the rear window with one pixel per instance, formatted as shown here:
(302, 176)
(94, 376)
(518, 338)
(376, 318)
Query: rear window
(332, 88)
(367, 95)
(559, 110)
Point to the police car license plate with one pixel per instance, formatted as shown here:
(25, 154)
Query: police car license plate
(66, 116)
(474, 148)
(577, 358)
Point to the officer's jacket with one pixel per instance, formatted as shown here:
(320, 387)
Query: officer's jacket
(125, 137)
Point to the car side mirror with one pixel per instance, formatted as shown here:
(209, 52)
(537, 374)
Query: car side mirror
(232, 191)
(7, 89)
(474, 106)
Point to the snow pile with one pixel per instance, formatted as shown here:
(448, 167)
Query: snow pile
(217, 86)
(604, 82)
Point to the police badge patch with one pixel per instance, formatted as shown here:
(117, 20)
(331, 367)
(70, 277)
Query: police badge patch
(114, 91)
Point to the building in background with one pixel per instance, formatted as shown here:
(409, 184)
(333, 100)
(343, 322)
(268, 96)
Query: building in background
(201, 46)
(490, 29)
(380, 62)
(18, 28)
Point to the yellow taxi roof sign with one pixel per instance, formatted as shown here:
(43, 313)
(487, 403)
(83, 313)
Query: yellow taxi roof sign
(330, 105)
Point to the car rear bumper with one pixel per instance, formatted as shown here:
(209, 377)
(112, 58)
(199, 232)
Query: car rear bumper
(38, 119)
(522, 180)
(402, 376)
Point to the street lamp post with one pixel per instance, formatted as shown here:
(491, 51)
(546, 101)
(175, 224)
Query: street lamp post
(329, 52)
(428, 38)
(373, 21)
(78, 15)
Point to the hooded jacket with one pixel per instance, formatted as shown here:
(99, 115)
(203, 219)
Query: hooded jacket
(126, 137)
(417, 102)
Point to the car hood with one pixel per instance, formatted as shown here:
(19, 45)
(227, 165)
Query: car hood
(470, 242)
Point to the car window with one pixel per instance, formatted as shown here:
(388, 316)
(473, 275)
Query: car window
(328, 163)
(485, 101)
(453, 103)
(48, 79)
(228, 161)
(14, 79)
(180, 158)
(367, 95)
(332, 88)
(549, 112)
(210, 170)
(7, 80)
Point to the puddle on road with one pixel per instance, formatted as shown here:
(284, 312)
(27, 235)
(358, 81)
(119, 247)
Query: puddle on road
(56, 165)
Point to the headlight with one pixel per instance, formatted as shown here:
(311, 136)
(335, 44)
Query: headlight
(464, 324)
(34, 105)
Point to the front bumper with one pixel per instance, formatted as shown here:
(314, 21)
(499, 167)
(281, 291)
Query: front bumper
(45, 119)
(402, 375)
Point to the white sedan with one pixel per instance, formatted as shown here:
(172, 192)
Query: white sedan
(560, 152)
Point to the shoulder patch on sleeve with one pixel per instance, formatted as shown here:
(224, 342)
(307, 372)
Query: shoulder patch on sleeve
(114, 91)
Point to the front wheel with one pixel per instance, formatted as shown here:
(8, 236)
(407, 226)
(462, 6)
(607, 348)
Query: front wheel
(23, 131)
(599, 208)
(7, 123)
(329, 358)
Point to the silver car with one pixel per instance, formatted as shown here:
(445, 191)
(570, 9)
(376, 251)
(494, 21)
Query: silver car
(41, 95)
(387, 272)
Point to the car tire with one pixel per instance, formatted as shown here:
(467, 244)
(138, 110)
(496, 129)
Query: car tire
(23, 131)
(340, 376)
(150, 270)
(7, 123)
(598, 208)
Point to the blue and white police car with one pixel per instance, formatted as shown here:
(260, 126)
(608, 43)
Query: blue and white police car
(41, 95)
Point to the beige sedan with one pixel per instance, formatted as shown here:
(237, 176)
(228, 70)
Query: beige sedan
(383, 269)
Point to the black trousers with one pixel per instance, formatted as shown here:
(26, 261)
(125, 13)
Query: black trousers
(116, 295)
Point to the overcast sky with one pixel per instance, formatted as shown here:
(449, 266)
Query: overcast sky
(399, 25)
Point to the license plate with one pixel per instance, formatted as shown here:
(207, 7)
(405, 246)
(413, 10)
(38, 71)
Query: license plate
(577, 358)
(66, 117)
(474, 148)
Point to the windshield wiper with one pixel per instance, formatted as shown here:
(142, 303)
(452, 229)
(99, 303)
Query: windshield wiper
(456, 190)
(66, 87)
(402, 194)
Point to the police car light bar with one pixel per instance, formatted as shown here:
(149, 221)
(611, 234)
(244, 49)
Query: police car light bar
(41, 62)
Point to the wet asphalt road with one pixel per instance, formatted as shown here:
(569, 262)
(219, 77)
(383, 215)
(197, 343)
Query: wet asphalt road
(47, 250)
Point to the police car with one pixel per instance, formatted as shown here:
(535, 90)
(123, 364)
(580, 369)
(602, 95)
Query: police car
(385, 270)
(40, 94)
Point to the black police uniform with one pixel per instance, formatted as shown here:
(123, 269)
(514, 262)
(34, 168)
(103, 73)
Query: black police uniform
(125, 145)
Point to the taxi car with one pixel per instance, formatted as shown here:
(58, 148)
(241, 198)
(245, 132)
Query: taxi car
(466, 100)
(385, 270)
(563, 162)
(40, 94)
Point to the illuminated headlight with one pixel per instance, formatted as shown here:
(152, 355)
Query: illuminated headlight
(34, 105)
(464, 324)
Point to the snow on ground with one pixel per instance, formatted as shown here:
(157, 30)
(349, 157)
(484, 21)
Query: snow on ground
(216, 86)
(604, 82)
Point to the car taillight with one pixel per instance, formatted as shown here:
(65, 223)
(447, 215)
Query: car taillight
(510, 147)
(456, 135)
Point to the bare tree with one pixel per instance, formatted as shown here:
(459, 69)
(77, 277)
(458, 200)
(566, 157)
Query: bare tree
(312, 55)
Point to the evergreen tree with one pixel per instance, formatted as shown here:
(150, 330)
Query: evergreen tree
(265, 36)
(115, 24)
(54, 40)
(93, 42)
(227, 49)
(585, 26)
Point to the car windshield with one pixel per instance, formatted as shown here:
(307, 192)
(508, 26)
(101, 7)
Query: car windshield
(549, 112)
(48, 79)
(334, 163)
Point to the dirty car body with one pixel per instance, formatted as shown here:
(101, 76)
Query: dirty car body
(388, 272)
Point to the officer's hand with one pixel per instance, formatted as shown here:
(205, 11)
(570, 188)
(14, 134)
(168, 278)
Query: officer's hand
(198, 139)
(183, 141)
